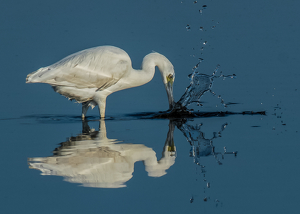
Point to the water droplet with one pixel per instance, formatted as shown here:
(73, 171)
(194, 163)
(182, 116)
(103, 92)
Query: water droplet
(201, 28)
(204, 43)
(188, 27)
(192, 200)
(213, 27)
(204, 6)
(195, 2)
(200, 11)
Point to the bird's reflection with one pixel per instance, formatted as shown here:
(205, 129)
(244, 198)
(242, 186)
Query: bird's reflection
(96, 161)
(93, 160)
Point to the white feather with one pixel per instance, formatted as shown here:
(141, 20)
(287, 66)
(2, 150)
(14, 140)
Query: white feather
(89, 76)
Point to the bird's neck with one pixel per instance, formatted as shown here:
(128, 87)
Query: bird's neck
(147, 71)
(152, 60)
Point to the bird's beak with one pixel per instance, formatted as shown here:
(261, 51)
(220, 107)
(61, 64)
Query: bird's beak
(169, 89)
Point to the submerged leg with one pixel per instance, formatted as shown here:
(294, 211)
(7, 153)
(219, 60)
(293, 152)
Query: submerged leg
(85, 107)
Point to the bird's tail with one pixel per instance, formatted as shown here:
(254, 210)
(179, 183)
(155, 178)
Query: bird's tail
(28, 78)
(36, 76)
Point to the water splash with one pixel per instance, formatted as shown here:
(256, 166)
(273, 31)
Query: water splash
(199, 85)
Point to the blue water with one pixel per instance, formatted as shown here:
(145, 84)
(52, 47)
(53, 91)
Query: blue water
(218, 164)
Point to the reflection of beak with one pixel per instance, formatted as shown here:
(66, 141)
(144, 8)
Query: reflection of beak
(169, 89)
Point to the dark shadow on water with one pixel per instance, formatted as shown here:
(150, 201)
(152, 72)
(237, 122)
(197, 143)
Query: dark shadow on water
(186, 114)
(190, 114)
(56, 118)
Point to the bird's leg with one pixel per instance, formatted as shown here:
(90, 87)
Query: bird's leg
(102, 107)
(85, 107)
(101, 101)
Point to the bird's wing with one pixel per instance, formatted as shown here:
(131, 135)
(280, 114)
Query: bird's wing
(99, 68)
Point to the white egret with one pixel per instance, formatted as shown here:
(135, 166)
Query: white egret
(90, 75)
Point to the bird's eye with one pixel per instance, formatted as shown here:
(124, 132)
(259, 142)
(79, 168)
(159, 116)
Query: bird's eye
(170, 78)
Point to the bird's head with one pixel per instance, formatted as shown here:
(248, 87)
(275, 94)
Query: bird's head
(169, 78)
(166, 69)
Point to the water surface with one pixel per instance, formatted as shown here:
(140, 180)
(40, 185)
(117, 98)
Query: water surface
(230, 163)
